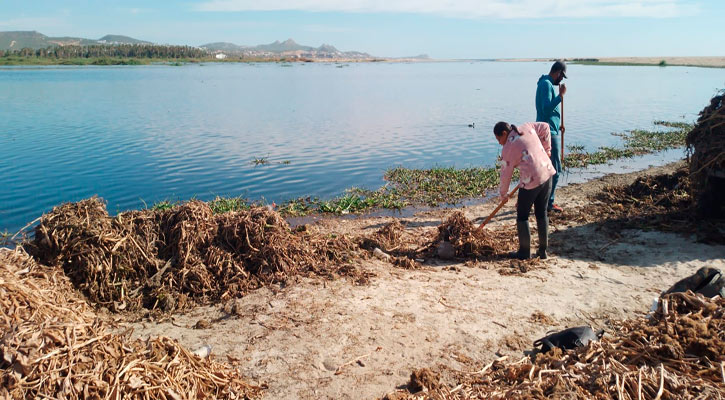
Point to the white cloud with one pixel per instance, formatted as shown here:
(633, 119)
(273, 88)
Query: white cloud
(472, 8)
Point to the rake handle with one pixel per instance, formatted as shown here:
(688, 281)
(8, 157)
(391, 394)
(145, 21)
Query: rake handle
(498, 208)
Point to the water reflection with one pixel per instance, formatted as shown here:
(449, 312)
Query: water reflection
(148, 133)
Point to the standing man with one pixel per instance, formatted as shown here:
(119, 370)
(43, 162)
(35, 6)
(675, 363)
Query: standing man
(548, 110)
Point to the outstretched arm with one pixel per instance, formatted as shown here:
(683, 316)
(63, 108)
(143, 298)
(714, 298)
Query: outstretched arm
(507, 170)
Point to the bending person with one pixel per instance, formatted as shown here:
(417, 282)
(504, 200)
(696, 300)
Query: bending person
(527, 147)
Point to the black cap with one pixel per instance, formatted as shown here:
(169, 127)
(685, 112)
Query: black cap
(559, 66)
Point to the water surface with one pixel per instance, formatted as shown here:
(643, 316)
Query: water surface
(135, 135)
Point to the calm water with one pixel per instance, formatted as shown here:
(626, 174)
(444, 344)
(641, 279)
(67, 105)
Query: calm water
(144, 134)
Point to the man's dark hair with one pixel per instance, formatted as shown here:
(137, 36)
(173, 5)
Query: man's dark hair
(500, 127)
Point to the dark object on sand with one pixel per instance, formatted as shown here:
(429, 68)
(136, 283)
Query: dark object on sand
(706, 151)
(569, 338)
(707, 281)
(445, 250)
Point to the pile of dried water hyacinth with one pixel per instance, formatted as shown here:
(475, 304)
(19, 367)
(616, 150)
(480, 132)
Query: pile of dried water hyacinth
(392, 239)
(662, 202)
(387, 238)
(470, 242)
(677, 353)
(706, 142)
(54, 347)
(168, 259)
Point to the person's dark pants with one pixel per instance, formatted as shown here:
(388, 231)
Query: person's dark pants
(556, 162)
(537, 197)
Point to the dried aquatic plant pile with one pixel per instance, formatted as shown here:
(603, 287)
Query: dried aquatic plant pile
(678, 353)
(53, 347)
(470, 242)
(651, 201)
(165, 258)
(402, 248)
(387, 238)
(661, 202)
(706, 148)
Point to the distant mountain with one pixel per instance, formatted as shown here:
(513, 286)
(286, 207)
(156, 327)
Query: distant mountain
(120, 39)
(327, 48)
(16, 40)
(20, 39)
(279, 47)
(289, 49)
(224, 46)
(288, 45)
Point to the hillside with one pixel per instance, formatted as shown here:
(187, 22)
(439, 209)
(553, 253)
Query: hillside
(287, 45)
(16, 40)
(288, 48)
(120, 39)
(224, 46)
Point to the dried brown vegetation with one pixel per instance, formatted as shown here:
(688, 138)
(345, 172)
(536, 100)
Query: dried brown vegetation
(706, 148)
(53, 346)
(661, 202)
(470, 242)
(678, 352)
(170, 259)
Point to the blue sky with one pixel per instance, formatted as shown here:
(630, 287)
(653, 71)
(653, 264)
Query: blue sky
(441, 29)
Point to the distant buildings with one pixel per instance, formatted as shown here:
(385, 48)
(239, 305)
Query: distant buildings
(220, 56)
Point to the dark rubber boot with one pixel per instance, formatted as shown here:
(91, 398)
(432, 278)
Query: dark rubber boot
(522, 227)
(542, 226)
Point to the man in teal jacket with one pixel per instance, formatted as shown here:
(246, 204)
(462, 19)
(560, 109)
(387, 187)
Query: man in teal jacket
(548, 110)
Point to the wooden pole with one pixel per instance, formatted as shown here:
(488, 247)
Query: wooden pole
(498, 208)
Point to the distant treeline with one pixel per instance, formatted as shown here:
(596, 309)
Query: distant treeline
(115, 51)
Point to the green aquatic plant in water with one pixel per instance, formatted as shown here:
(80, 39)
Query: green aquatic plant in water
(4, 238)
(221, 205)
(164, 205)
(440, 184)
(299, 207)
(635, 143)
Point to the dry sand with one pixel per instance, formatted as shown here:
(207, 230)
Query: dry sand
(338, 340)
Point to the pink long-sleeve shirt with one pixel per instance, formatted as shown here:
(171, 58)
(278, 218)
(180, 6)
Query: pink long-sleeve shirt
(528, 149)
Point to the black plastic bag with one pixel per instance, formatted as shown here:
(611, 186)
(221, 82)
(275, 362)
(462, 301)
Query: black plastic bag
(569, 338)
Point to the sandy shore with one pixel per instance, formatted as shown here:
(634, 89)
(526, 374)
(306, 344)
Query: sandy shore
(339, 340)
(714, 61)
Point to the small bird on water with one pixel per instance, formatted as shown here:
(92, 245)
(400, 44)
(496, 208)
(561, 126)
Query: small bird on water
(472, 125)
